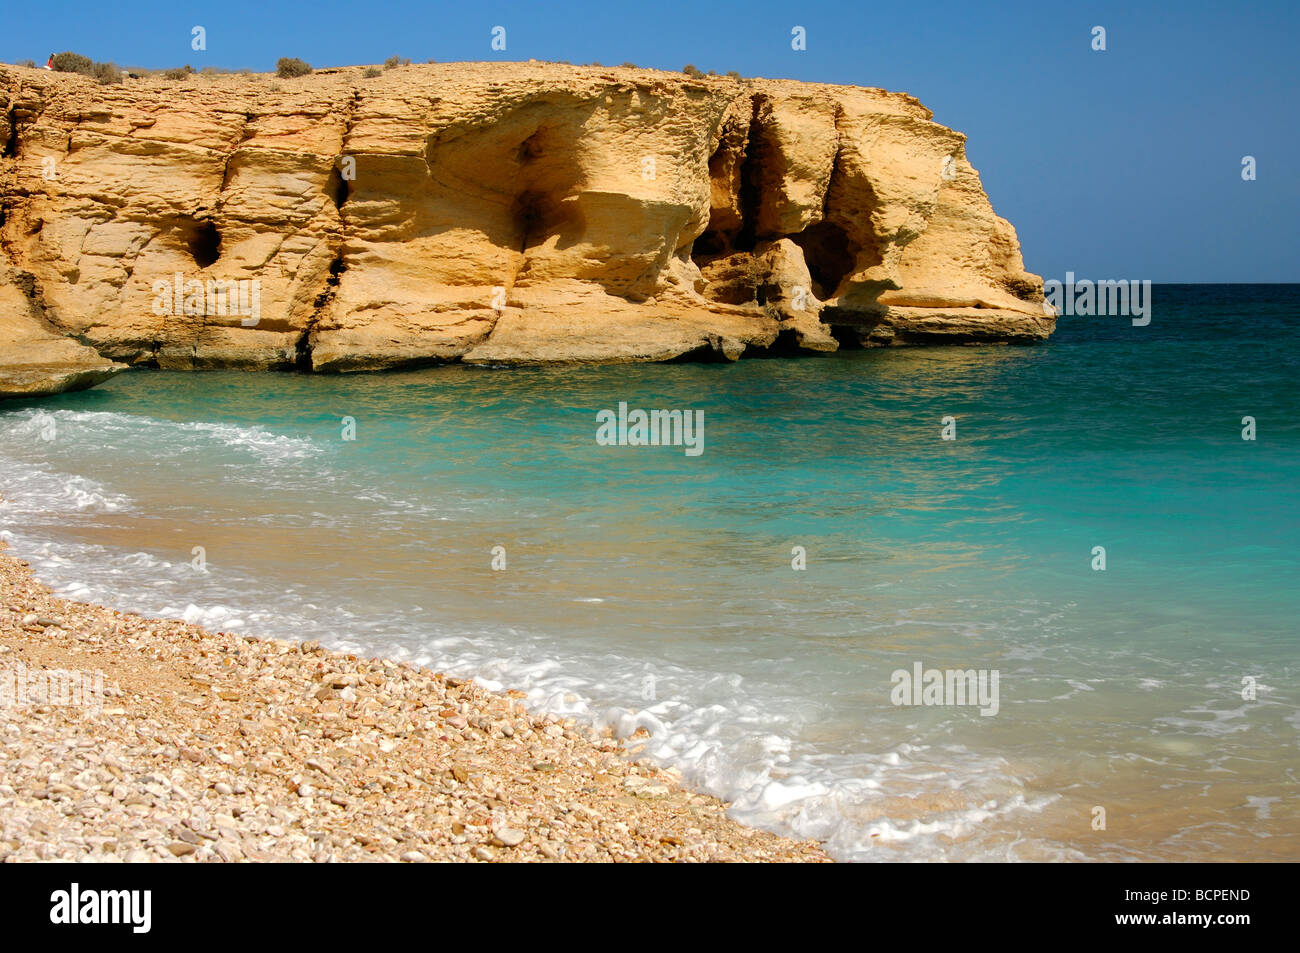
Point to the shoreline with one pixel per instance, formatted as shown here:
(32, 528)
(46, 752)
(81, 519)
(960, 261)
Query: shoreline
(219, 747)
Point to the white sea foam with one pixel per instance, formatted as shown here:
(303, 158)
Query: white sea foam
(31, 491)
(91, 428)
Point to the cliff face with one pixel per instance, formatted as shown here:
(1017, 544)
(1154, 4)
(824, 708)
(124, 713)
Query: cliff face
(488, 213)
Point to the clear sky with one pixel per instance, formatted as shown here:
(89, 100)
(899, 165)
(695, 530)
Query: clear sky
(1117, 164)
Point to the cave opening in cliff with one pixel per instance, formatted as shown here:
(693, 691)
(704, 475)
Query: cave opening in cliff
(529, 215)
(829, 254)
(850, 337)
(736, 178)
(711, 244)
(539, 214)
(531, 148)
(786, 344)
(751, 179)
(11, 147)
(203, 241)
(338, 188)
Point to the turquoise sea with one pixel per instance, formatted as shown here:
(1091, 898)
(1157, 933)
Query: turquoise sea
(646, 588)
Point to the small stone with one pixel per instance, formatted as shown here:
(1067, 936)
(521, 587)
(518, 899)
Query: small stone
(181, 848)
(510, 836)
(482, 853)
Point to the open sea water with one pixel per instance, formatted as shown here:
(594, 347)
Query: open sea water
(645, 588)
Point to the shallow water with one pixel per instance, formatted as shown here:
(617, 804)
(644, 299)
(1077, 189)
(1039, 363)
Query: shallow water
(648, 588)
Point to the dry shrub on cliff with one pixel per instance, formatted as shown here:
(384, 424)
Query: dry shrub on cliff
(288, 67)
(691, 70)
(106, 73)
(69, 62)
(179, 72)
(372, 71)
(397, 61)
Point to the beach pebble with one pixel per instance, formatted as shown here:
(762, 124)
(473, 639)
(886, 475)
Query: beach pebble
(510, 836)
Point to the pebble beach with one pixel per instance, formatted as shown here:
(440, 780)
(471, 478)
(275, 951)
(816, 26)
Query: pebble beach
(215, 747)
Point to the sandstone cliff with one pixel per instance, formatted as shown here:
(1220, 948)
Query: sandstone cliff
(494, 213)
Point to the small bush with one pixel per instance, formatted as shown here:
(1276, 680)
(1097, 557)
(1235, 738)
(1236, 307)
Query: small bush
(73, 63)
(732, 74)
(287, 67)
(628, 65)
(275, 87)
(372, 71)
(431, 61)
(396, 61)
(692, 71)
(30, 64)
(179, 72)
(107, 73)
(69, 62)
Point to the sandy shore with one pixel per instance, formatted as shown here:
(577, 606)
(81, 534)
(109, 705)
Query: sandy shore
(211, 746)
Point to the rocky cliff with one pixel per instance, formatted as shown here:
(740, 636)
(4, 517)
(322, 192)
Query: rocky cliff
(495, 213)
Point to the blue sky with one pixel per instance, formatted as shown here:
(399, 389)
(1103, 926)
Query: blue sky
(1117, 164)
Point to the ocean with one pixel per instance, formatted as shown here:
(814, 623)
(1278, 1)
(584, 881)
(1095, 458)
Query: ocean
(749, 612)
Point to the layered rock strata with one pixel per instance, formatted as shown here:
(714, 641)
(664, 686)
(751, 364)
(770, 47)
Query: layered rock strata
(491, 213)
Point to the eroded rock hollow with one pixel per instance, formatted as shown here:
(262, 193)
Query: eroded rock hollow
(487, 213)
